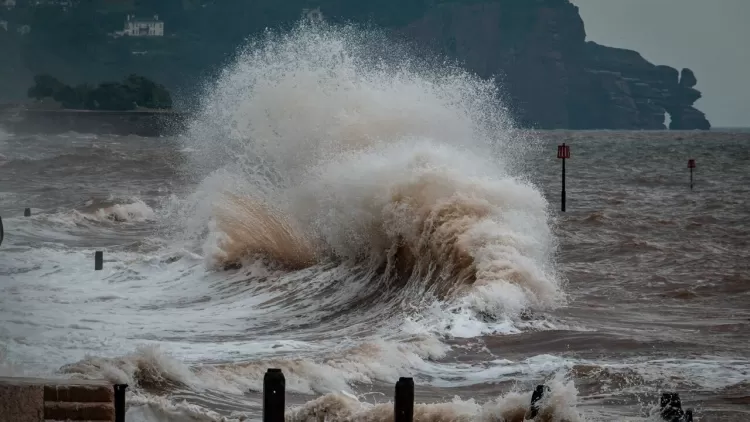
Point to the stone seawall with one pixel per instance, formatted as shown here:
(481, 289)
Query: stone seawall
(140, 123)
(46, 400)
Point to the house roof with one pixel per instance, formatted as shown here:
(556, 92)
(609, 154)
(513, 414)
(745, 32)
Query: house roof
(151, 19)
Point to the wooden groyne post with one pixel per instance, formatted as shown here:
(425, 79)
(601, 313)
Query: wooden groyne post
(98, 260)
(274, 392)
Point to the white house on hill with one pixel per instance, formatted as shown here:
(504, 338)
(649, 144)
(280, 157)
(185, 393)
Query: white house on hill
(138, 27)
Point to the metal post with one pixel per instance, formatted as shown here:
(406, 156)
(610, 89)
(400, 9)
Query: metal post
(274, 385)
(563, 185)
(98, 260)
(120, 402)
(403, 404)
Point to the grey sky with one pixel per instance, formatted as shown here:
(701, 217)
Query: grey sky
(712, 37)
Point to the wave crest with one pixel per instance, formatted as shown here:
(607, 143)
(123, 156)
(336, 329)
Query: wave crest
(333, 144)
(252, 228)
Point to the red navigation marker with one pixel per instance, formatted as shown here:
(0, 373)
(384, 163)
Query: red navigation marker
(563, 152)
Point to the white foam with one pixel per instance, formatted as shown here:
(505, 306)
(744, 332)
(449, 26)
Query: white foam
(151, 408)
(559, 405)
(309, 123)
(710, 372)
(136, 211)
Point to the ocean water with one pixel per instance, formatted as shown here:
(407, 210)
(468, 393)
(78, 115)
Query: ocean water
(350, 215)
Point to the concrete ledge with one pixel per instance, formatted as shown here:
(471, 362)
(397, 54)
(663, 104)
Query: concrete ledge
(21, 403)
(51, 381)
(39, 400)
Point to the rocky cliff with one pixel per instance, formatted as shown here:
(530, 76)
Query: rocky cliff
(553, 78)
(634, 93)
(535, 49)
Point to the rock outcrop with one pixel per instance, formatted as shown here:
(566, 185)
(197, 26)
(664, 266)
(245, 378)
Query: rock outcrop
(553, 78)
(633, 93)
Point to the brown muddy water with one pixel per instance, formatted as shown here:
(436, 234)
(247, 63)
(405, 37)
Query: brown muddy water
(651, 290)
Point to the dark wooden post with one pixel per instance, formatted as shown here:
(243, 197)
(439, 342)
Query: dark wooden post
(403, 404)
(120, 402)
(98, 260)
(274, 386)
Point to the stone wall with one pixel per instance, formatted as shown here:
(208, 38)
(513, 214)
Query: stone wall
(44, 400)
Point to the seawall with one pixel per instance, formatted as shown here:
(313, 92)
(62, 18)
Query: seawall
(140, 123)
(44, 400)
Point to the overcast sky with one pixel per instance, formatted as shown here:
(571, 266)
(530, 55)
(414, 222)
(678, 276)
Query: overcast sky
(712, 37)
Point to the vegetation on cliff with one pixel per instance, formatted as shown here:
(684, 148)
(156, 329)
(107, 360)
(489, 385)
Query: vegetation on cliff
(132, 93)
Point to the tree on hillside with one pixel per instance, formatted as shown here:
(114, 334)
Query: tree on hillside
(135, 91)
(45, 86)
(147, 93)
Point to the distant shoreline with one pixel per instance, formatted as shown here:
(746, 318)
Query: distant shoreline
(24, 118)
(150, 123)
(35, 107)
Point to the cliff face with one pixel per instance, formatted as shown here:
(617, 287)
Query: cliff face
(635, 93)
(554, 78)
(535, 49)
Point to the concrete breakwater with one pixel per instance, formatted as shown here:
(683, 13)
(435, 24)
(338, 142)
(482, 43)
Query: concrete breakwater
(40, 400)
(140, 123)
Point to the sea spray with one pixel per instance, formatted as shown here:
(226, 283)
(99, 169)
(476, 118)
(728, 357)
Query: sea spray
(149, 372)
(383, 195)
(362, 153)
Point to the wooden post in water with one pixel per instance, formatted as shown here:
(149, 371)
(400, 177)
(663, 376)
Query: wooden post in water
(274, 386)
(670, 410)
(563, 153)
(403, 403)
(120, 402)
(27, 212)
(98, 260)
